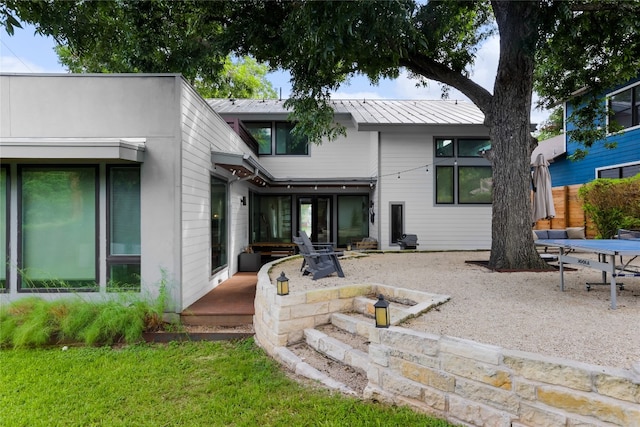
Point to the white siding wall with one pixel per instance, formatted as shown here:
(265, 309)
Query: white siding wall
(203, 131)
(110, 106)
(437, 227)
(345, 157)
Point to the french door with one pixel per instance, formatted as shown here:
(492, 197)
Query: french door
(314, 217)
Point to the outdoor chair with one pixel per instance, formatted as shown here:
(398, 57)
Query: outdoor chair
(319, 259)
(408, 241)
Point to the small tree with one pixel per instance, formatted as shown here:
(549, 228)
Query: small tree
(612, 204)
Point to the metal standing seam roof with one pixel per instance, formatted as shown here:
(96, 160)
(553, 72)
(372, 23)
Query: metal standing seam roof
(370, 111)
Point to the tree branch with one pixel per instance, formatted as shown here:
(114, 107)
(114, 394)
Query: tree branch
(424, 66)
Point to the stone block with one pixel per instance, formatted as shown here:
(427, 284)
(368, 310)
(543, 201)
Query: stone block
(344, 322)
(408, 339)
(401, 386)
(487, 395)
(476, 414)
(291, 300)
(591, 405)
(525, 389)
(357, 359)
(373, 374)
(396, 356)
(435, 399)
(471, 350)
(619, 386)
(340, 305)
(319, 295)
(313, 337)
(365, 329)
(333, 348)
(433, 378)
(308, 310)
(478, 371)
(535, 416)
(354, 291)
(300, 324)
(308, 371)
(550, 370)
(287, 357)
(379, 354)
(322, 319)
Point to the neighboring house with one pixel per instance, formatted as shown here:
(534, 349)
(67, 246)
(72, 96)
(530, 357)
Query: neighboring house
(111, 182)
(623, 105)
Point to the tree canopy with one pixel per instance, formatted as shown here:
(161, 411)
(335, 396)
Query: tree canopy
(563, 46)
(148, 36)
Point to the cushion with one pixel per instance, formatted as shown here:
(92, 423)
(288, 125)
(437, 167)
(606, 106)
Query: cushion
(535, 236)
(557, 234)
(576, 233)
(542, 234)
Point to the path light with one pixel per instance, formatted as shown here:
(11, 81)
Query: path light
(381, 308)
(282, 284)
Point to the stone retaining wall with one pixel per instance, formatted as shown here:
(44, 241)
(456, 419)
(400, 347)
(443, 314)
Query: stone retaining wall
(460, 380)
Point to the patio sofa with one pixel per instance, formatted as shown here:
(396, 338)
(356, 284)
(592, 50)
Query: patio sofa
(560, 233)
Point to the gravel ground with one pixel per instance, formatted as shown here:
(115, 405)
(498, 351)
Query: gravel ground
(517, 310)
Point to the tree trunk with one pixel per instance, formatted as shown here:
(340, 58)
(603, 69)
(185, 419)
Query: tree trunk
(512, 244)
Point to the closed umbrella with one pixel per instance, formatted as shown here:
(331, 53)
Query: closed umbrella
(542, 196)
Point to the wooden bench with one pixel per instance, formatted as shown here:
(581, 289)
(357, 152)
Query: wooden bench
(274, 249)
(365, 244)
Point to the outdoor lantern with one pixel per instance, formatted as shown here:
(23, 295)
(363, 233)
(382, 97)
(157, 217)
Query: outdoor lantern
(381, 308)
(282, 284)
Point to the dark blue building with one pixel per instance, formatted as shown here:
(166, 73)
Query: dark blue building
(620, 162)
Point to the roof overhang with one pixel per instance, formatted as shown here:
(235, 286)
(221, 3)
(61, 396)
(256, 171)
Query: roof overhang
(128, 149)
(245, 168)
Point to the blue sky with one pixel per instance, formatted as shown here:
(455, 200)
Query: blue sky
(26, 52)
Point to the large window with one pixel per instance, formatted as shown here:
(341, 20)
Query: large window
(353, 219)
(261, 131)
(463, 175)
(123, 260)
(271, 218)
(4, 226)
(57, 226)
(624, 107)
(277, 137)
(218, 223)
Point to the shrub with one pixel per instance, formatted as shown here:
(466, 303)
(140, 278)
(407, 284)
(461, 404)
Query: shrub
(34, 322)
(612, 204)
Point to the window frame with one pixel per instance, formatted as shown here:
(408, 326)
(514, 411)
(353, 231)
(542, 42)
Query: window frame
(393, 239)
(635, 107)
(113, 260)
(224, 250)
(274, 137)
(20, 229)
(457, 162)
(7, 247)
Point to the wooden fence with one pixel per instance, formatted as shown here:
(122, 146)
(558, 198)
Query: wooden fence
(569, 212)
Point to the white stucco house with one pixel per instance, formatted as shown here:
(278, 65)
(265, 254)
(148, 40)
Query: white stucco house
(111, 182)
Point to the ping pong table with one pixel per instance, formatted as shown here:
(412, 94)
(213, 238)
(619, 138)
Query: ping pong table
(607, 251)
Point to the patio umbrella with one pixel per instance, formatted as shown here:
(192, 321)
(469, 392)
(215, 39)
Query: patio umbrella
(542, 197)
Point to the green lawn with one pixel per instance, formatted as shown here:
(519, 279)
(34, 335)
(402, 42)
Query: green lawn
(189, 384)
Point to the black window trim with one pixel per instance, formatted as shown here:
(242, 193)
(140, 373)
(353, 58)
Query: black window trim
(635, 100)
(7, 276)
(93, 289)
(111, 260)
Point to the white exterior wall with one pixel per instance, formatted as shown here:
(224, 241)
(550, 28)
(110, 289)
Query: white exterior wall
(35, 108)
(203, 131)
(349, 156)
(455, 227)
